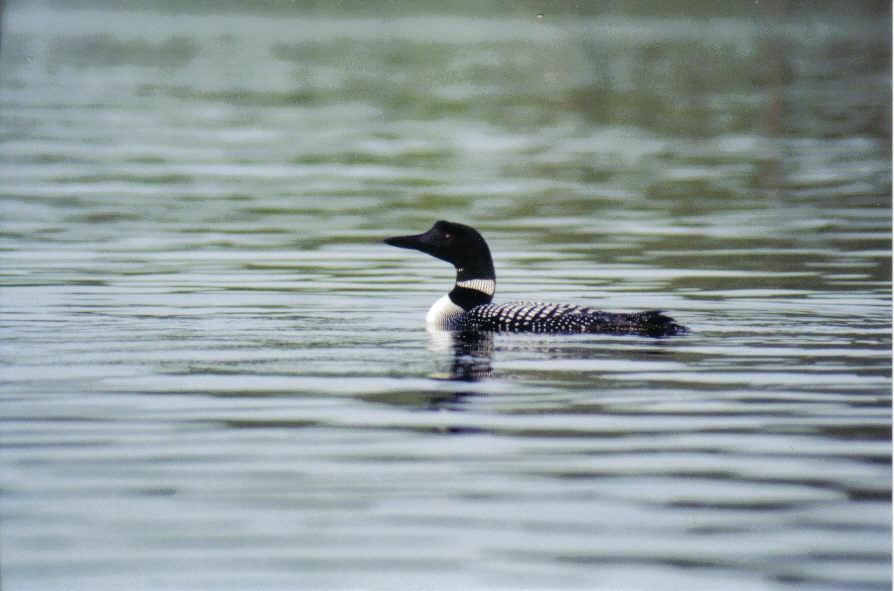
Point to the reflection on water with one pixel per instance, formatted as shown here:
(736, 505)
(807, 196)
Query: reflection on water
(470, 354)
(215, 376)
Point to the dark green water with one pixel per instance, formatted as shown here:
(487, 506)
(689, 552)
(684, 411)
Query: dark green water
(215, 376)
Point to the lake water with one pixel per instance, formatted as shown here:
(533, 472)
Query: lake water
(216, 376)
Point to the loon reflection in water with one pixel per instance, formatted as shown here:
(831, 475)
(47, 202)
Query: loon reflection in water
(470, 354)
(468, 306)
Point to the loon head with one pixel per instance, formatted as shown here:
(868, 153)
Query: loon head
(458, 244)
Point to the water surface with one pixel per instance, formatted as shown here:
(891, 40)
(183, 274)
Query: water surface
(215, 376)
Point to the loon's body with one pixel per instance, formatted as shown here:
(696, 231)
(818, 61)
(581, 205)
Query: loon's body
(468, 306)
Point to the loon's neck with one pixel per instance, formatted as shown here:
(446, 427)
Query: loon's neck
(474, 287)
(467, 293)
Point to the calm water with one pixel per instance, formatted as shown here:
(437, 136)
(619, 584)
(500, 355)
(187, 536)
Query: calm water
(215, 376)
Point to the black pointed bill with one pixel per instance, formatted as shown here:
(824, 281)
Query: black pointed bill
(423, 242)
(405, 241)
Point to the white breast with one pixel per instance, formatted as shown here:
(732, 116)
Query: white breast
(440, 314)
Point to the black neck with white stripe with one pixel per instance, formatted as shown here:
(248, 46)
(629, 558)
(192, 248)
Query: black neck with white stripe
(475, 276)
(468, 293)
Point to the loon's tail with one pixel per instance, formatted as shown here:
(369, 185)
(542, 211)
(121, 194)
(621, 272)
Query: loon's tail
(652, 323)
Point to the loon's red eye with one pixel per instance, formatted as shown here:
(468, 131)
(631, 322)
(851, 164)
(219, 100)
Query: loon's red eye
(448, 235)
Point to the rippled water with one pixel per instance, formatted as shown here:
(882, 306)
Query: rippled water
(215, 376)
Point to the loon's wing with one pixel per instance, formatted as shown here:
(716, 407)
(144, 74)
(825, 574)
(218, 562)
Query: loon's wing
(563, 318)
(519, 316)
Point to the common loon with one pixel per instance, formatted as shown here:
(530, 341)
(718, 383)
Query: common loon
(468, 306)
